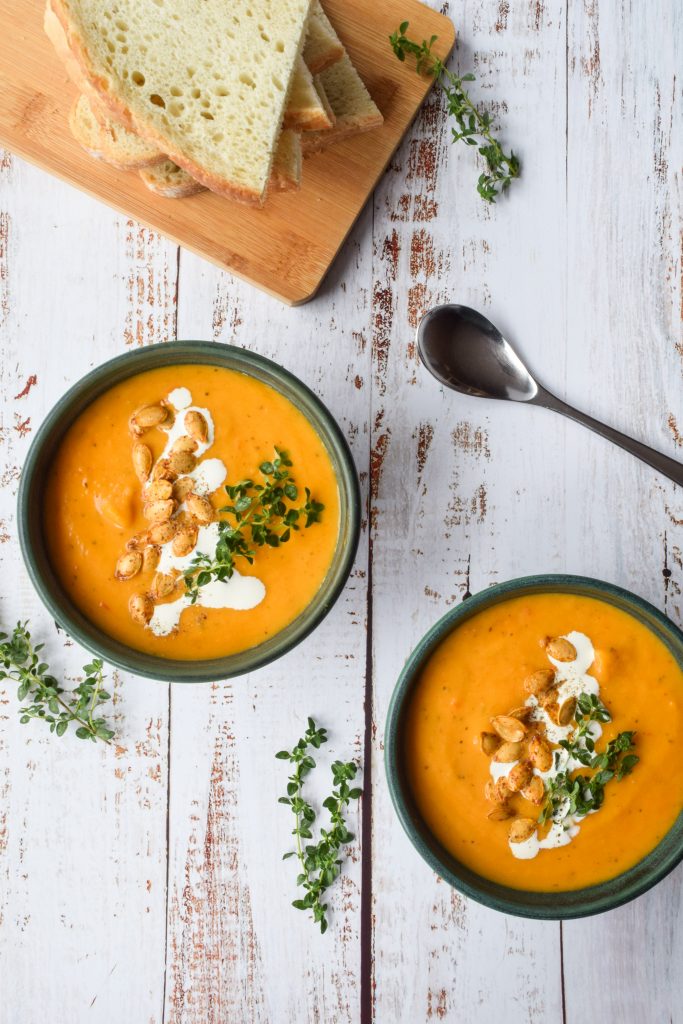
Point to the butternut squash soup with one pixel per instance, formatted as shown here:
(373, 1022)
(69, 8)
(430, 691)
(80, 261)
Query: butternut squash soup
(191, 512)
(543, 742)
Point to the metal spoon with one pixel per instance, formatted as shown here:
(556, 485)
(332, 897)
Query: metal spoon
(464, 351)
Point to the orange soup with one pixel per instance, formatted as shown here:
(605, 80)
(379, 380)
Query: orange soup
(133, 498)
(543, 741)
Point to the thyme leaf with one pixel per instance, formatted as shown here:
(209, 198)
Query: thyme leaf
(260, 513)
(474, 126)
(319, 862)
(20, 661)
(569, 794)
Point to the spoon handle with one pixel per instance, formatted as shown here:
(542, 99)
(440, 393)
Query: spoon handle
(662, 463)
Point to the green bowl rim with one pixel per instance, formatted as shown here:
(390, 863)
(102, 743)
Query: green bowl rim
(596, 898)
(180, 352)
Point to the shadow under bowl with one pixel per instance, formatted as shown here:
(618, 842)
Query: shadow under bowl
(40, 457)
(594, 899)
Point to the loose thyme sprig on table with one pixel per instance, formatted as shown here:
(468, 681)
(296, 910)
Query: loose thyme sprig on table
(320, 862)
(20, 662)
(583, 793)
(259, 515)
(474, 126)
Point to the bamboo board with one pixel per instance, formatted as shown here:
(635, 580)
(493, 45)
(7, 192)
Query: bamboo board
(285, 248)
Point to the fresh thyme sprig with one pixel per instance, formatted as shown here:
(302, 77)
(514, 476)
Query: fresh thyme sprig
(320, 862)
(474, 126)
(580, 794)
(259, 514)
(20, 662)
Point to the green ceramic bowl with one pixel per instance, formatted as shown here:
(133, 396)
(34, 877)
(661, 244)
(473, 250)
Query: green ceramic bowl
(549, 906)
(31, 505)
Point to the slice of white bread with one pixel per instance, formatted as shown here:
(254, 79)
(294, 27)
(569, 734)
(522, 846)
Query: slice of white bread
(354, 109)
(110, 142)
(322, 47)
(305, 110)
(172, 182)
(286, 173)
(208, 85)
(124, 150)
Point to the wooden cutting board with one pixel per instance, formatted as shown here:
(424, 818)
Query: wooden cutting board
(285, 248)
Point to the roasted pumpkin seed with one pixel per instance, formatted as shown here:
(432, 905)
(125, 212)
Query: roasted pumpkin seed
(141, 608)
(520, 776)
(162, 585)
(501, 812)
(158, 490)
(158, 511)
(184, 541)
(539, 681)
(181, 462)
(534, 791)
(509, 728)
(196, 426)
(147, 417)
(489, 743)
(182, 487)
(521, 829)
(508, 752)
(561, 649)
(540, 754)
(128, 565)
(161, 533)
(150, 557)
(200, 507)
(142, 461)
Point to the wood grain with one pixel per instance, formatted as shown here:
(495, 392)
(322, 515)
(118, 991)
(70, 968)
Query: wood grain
(83, 845)
(285, 248)
(178, 838)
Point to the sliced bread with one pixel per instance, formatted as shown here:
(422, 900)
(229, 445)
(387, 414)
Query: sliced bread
(111, 142)
(305, 110)
(322, 47)
(354, 109)
(286, 173)
(207, 86)
(126, 151)
(172, 182)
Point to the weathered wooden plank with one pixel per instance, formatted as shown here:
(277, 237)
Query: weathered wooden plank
(580, 267)
(82, 827)
(624, 523)
(237, 949)
(462, 495)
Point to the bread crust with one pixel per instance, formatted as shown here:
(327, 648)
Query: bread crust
(312, 121)
(312, 143)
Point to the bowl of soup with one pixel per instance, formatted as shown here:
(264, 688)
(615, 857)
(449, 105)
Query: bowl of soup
(533, 747)
(189, 511)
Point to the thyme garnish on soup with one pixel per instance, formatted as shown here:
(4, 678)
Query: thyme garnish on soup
(568, 794)
(538, 749)
(260, 514)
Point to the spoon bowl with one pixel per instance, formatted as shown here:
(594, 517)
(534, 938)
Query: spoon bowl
(464, 351)
(467, 353)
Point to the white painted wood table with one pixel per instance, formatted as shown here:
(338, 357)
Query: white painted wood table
(143, 883)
